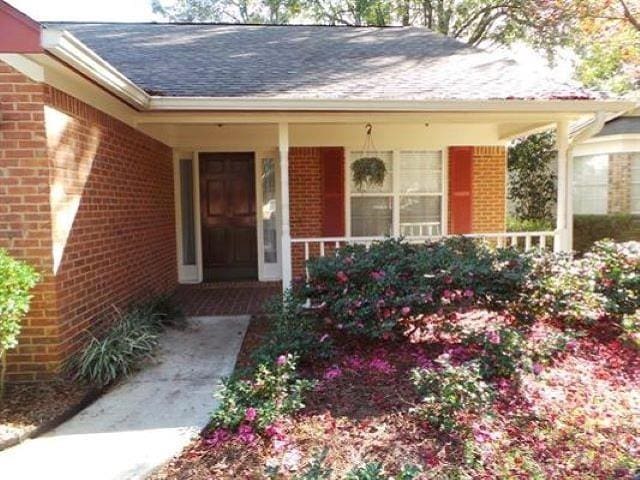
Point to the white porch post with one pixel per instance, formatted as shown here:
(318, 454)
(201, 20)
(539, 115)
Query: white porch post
(283, 147)
(564, 224)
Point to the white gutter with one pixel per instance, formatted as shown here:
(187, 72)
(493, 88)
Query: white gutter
(72, 51)
(66, 47)
(589, 130)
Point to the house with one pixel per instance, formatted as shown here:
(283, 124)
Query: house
(606, 182)
(138, 156)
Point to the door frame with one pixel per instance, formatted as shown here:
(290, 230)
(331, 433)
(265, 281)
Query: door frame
(195, 273)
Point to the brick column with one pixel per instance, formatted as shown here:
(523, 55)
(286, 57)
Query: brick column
(619, 200)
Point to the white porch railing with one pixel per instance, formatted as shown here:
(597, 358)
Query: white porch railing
(523, 241)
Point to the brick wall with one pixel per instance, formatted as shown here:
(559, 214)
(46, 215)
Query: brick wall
(115, 185)
(90, 204)
(25, 217)
(489, 189)
(619, 200)
(305, 200)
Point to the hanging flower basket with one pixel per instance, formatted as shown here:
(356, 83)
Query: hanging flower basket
(368, 171)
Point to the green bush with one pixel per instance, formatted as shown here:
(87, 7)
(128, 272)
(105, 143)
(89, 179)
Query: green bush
(16, 281)
(133, 336)
(372, 291)
(274, 390)
(449, 391)
(529, 225)
(504, 352)
(588, 229)
(291, 330)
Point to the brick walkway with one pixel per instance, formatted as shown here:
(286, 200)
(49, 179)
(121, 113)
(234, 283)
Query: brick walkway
(225, 298)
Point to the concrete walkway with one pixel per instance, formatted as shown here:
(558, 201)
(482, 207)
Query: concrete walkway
(142, 423)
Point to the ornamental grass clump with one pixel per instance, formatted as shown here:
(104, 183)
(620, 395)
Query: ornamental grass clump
(131, 338)
(253, 404)
(16, 281)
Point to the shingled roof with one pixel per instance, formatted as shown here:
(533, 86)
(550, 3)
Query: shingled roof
(312, 62)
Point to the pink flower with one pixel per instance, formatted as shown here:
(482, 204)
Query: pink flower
(382, 366)
(468, 293)
(448, 279)
(250, 414)
(332, 372)
(354, 362)
(342, 277)
(274, 431)
(447, 294)
(246, 434)
(537, 368)
(406, 311)
(281, 360)
(378, 275)
(493, 337)
(218, 437)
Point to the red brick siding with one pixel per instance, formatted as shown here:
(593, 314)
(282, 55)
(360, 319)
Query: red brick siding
(25, 217)
(117, 186)
(121, 247)
(305, 200)
(489, 189)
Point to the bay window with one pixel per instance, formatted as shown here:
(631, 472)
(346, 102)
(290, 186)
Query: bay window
(590, 184)
(408, 203)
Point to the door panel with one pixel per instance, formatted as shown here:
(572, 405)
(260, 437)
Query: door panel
(229, 243)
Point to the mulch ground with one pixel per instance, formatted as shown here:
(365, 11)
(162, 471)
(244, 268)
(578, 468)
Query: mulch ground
(577, 418)
(27, 407)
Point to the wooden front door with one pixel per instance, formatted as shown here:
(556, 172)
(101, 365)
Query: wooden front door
(228, 209)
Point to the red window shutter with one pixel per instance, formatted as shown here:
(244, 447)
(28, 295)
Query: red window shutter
(461, 188)
(332, 160)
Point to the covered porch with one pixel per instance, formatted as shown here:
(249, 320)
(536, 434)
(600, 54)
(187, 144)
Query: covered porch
(293, 195)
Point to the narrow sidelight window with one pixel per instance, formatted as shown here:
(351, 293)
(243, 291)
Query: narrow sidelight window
(187, 212)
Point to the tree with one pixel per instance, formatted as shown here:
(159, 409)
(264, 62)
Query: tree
(532, 186)
(235, 11)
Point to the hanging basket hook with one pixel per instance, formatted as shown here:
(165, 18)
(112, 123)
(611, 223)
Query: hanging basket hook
(368, 128)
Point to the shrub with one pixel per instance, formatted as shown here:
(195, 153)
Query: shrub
(132, 338)
(369, 471)
(504, 352)
(370, 291)
(588, 229)
(450, 391)
(274, 390)
(16, 281)
(291, 331)
(529, 225)
(604, 283)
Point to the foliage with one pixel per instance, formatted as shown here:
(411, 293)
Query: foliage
(273, 391)
(369, 471)
(16, 281)
(603, 284)
(504, 352)
(275, 12)
(529, 225)
(588, 229)
(368, 171)
(532, 187)
(316, 470)
(291, 331)
(373, 291)
(133, 337)
(449, 391)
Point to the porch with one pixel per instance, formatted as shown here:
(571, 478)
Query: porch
(446, 175)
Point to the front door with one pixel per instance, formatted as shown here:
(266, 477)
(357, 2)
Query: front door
(228, 206)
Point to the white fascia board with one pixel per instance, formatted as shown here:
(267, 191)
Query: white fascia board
(294, 104)
(72, 51)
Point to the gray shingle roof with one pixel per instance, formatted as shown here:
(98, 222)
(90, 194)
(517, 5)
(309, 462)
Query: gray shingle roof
(621, 126)
(312, 62)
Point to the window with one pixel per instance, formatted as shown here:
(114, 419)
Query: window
(635, 183)
(408, 203)
(590, 184)
(269, 211)
(187, 212)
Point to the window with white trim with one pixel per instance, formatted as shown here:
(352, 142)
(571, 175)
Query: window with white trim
(590, 184)
(409, 201)
(635, 183)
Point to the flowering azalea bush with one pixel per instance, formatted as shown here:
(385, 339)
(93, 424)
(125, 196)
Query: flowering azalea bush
(604, 283)
(503, 352)
(253, 404)
(371, 291)
(450, 391)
